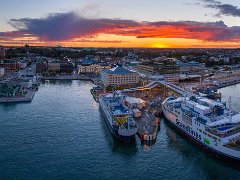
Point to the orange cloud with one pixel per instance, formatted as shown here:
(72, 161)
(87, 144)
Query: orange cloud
(69, 28)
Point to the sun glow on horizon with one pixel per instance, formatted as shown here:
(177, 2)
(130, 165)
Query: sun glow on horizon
(159, 45)
(119, 41)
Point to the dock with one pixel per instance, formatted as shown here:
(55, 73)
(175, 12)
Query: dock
(152, 93)
(67, 77)
(228, 82)
(27, 98)
(148, 126)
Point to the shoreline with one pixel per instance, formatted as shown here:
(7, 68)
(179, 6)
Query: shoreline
(27, 98)
(70, 78)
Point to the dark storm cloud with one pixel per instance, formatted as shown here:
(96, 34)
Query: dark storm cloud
(222, 8)
(67, 26)
(64, 26)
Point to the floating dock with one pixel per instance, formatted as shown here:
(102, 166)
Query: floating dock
(148, 126)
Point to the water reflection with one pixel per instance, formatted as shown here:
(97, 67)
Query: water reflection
(57, 82)
(177, 141)
(94, 105)
(148, 144)
(12, 105)
(115, 144)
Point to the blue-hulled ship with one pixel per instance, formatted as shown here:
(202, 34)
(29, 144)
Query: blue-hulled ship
(118, 116)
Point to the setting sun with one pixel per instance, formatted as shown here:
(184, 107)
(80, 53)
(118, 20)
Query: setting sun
(159, 45)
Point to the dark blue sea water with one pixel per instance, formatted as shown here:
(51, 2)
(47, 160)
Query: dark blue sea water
(61, 134)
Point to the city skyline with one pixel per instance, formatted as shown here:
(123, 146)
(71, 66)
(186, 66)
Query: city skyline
(155, 24)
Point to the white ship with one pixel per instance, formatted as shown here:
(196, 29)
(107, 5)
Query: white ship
(118, 116)
(209, 123)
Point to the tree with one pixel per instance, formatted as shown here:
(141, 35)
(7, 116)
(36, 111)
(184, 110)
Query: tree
(53, 73)
(44, 73)
(109, 88)
(215, 68)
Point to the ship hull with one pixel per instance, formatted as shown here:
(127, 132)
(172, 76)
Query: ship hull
(115, 132)
(199, 143)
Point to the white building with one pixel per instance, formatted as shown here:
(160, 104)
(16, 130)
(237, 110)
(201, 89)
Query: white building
(119, 76)
(2, 72)
(92, 67)
(135, 103)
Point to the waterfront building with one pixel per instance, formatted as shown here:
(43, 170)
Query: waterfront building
(66, 68)
(168, 69)
(159, 66)
(191, 67)
(146, 68)
(119, 76)
(41, 67)
(11, 65)
(92, 67)
(171, 68)
(54, 66)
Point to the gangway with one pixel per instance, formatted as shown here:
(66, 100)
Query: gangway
(154, 84)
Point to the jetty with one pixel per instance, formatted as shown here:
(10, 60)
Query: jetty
(26, 98)
(153, 94)
(66, 77)
(148, 126)
(228, 82)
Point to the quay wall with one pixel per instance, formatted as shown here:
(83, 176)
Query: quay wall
(230, 82)
(28, 97)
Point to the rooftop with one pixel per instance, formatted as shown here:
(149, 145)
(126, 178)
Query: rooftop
(118, 70)
(88, 61)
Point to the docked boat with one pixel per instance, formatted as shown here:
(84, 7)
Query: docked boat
(118, 116)
(208, 123)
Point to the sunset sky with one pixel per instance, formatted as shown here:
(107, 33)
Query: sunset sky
(121, 23)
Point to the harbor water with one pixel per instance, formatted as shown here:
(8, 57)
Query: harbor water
(62, 134)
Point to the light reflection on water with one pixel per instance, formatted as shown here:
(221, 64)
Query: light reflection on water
(62, 134)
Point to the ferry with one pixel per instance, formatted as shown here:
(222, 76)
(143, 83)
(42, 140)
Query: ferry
(118, 116)
(208, 123)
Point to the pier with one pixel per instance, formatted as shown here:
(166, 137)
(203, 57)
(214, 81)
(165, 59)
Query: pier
(27, 98)
(66, 77)
(228, 82)
(155, 90)
(148, 126)
(153, 94)
(224, 80)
